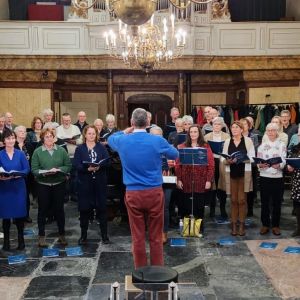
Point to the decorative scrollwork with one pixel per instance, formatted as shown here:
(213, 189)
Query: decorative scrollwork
(184, 4)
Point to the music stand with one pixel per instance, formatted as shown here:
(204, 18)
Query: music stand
(193, 157)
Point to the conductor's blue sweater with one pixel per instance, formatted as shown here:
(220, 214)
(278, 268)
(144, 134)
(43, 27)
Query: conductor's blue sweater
(141, 156)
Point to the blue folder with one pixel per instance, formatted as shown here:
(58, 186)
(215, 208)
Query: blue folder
(216, 147)
(268, 245)
(178, 242)
(16, 259)
(193, 156)
(74, 251)
(51, 252)
(292, 250)
(181, 138)
(226, 241)
(293, 162)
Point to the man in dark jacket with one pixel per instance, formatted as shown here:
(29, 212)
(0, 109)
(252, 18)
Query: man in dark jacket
(288, 128)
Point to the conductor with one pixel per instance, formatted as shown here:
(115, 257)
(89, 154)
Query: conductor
(140, 155)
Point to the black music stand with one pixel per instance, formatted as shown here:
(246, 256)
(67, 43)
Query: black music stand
(194, 157)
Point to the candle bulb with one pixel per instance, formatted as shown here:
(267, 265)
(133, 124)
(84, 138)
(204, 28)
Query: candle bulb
(106, 38)
(172, 22)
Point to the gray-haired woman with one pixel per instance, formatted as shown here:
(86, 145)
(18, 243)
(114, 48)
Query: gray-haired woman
(271, 180)
(48, 116)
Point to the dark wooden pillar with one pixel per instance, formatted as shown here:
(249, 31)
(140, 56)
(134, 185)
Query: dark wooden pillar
(110, 93)
(122, 109)
(181, 93)
(188, 91)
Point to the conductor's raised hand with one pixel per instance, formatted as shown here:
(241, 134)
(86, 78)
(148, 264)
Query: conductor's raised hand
(128, 130)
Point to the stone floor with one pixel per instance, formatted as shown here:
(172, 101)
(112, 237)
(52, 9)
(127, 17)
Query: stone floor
(240, 271)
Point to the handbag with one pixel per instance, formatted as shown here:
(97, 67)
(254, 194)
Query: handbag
(191, 227)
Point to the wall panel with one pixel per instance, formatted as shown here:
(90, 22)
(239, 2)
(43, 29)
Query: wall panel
(24, 104)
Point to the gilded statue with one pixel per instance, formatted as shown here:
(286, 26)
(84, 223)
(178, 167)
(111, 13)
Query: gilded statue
(79, 9)
(220, 10)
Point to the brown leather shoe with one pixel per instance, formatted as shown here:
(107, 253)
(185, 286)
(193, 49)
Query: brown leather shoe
(242, 231)
(264, 230)
(233, 229)
(165, 237)
(62, 240)
(42, 242)
(276, 231)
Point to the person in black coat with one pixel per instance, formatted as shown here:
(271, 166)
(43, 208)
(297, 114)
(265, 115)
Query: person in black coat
(25, 146)
(91, 182)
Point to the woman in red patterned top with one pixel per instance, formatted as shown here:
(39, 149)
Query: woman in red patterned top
(201, 175)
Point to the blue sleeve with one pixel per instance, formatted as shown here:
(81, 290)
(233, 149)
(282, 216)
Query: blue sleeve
(24, 163)
(114, 140)
(168, 150)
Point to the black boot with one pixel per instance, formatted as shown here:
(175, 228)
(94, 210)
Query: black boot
(21, 242)
(250, 202)
(6, 244)
(84, 225)
(6, 227)
(222, 198)
(212, 204)
(103, 229)
(105, 239)
(20, 227)
(83, 238)
(297, 231)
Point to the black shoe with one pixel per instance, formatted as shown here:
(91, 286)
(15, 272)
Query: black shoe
(83, 238)
(6, 245)
(105, 240)
(250, 213)
(74, 198)
(21, 243)
(224, 214)
(82, 241)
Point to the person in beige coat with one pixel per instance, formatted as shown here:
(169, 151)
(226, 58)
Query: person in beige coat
(238, 176)
(217, 135)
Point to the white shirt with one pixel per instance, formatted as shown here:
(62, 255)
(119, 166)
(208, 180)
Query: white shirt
(68, 133)
(268, 150)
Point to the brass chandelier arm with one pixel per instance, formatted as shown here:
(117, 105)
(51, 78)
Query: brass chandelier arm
(181, 3)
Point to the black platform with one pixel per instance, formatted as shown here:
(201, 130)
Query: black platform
(154, 274)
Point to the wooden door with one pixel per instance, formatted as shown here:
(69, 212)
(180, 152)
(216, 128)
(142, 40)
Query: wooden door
(159, 105)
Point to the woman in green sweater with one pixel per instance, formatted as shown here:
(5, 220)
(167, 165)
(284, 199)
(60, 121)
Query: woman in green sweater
(50, 165)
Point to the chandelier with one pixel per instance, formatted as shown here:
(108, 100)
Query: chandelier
(146, 46)
(139, 42)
